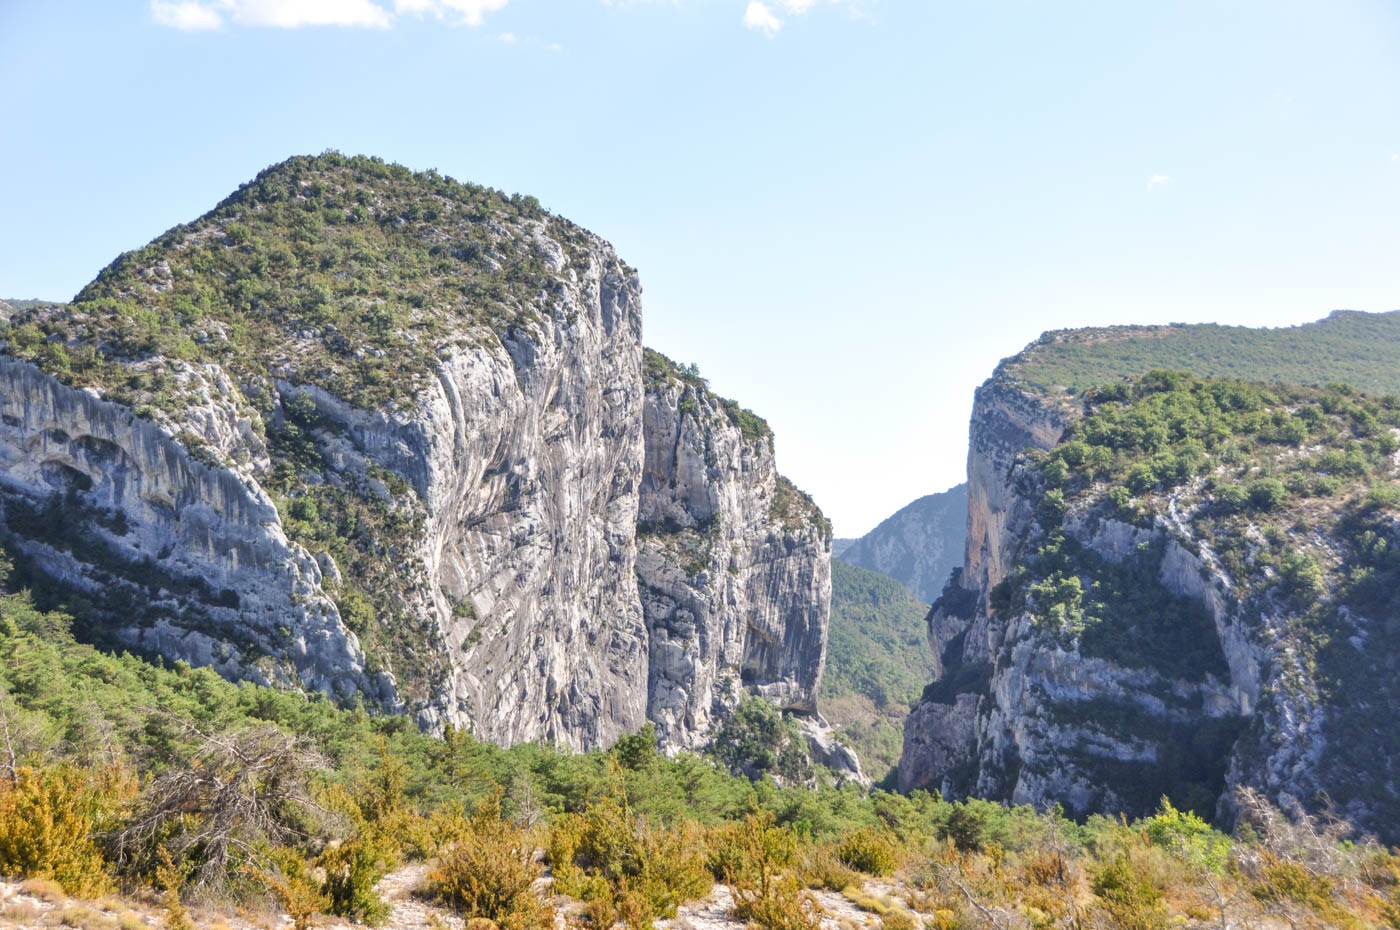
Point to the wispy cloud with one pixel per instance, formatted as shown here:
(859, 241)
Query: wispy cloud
(760, 18)
(193, 15)
(471, 12)
(190, 17)
(1159, 180)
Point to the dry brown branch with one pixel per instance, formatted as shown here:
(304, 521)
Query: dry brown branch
(237, 789)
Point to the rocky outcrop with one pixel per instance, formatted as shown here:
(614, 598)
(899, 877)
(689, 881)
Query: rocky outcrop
(733, 563)
(450, 519)
(1190, 680)
(919, 545)
(1019, 714)
(116, 508)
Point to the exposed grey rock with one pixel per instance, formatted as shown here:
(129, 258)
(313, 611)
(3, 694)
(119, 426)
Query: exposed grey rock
(734, 567)
(938, 740)
(919, 545)
(826, 750)
(209, 538)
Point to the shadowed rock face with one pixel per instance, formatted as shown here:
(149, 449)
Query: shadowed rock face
(1016, 713)
(158, 526)
(494, 509)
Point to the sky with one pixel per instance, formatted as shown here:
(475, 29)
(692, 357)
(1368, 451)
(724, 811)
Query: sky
(845, 212)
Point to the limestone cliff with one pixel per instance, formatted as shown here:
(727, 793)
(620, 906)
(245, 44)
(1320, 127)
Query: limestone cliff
(1171, 587)
(383, 434)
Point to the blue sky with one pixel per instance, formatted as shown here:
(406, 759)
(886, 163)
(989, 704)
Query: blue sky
(845, 211)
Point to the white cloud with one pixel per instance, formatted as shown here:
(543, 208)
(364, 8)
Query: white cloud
(508, 37)
(1395, 157)
(291, 14)
(1159, 180)
(186, 16)
(759, 17)
(471, 12)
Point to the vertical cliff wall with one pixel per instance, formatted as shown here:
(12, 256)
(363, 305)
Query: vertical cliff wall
(733, 562)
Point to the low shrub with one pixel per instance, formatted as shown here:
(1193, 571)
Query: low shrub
(490, 872)
(820, 867)
(623, 868)
(869, 850)
(1128, 895)
(49, 819)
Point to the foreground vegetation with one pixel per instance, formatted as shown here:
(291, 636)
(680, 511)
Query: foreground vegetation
(116, 774)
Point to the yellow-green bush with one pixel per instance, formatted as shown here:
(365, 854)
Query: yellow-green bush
(294, 886)
(352, 869)
(1129, 896)
(1283, 880)
(48, 820)
(756, 858)
(784, 905)
(898, 920)
(623, 867)
(491, 872)
(869, 850)
(819, 867)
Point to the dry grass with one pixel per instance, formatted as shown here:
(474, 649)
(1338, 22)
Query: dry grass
(43, 889)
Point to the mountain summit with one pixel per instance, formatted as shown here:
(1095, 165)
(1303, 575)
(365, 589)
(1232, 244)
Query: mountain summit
(393, 437)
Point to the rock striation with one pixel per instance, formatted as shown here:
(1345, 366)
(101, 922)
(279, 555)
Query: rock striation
(389, 437)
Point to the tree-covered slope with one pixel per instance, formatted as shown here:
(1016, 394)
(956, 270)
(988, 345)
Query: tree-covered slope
(877, 662)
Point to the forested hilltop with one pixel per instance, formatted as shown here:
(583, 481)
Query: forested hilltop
(1348, 347)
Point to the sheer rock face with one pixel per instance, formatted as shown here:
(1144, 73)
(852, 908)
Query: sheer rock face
(943, 737)
(733, 563)
(162, 529)
(524, 458)
(1013, 713)
(507, 491)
